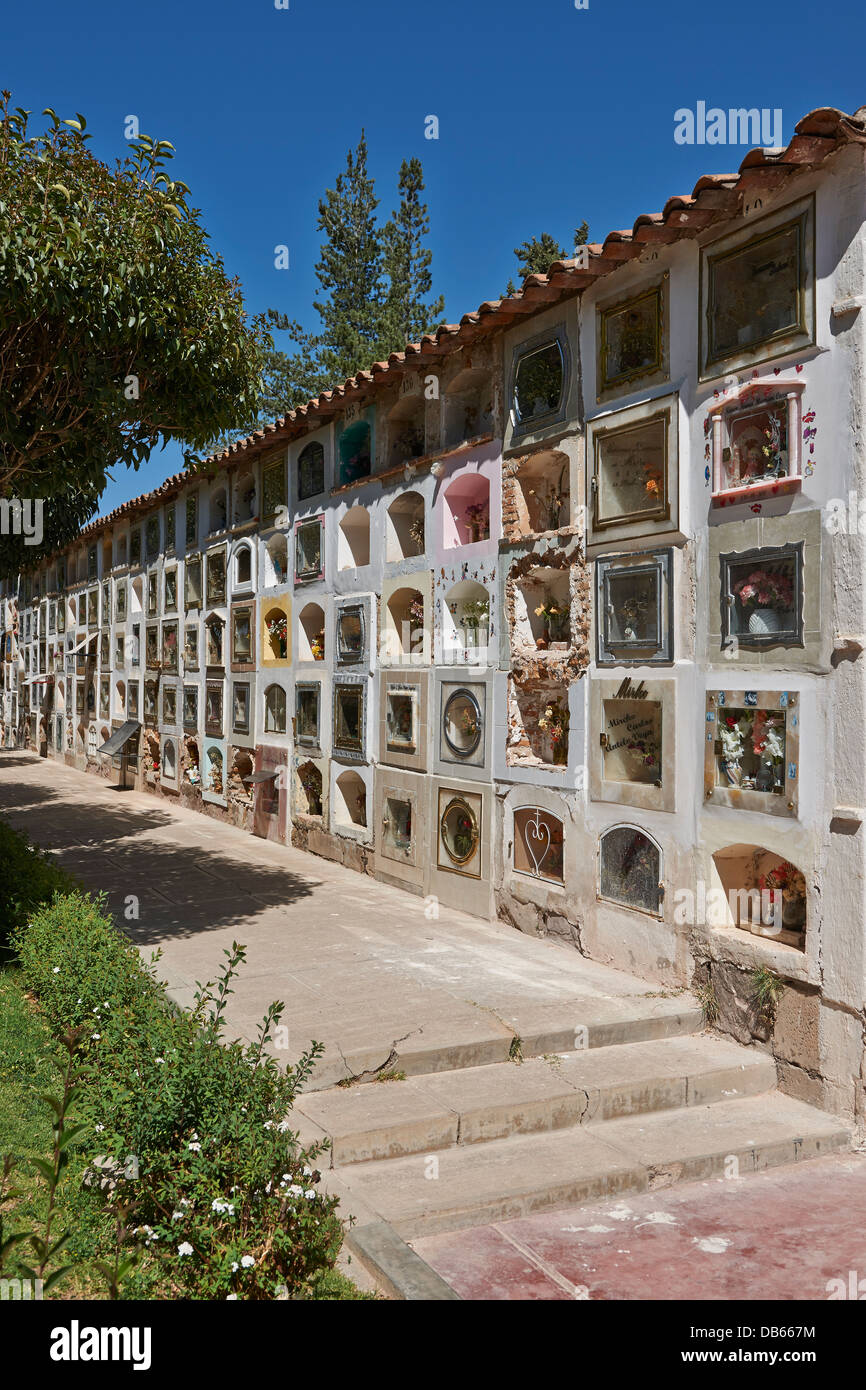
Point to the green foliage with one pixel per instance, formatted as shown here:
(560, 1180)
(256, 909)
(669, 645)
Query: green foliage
(376, 284)
(119, 328)
(406, 312)
(28, 878)
(210, 1177)
(767, 990)
(537, 255)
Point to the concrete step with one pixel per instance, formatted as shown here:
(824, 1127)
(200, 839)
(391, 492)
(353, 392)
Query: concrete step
(470, 1035)
(475, 1184)
(485, 1103)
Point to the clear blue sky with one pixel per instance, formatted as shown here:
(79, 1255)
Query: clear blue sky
(548, 115)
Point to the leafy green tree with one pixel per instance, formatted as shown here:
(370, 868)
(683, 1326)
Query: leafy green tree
(407, 314)
(539, 254)
(119, 327)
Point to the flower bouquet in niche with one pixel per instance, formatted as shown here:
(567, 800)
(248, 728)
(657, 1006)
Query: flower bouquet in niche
(278, 634)
(787, 879)
(554, 721)
(768, 744)
(477, 521)
(765, 595)
(555, 615)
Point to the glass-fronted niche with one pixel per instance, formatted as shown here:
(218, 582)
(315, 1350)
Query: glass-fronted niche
(540, 374)
(350, 712)
(462, 723)
(459, 837)
(635, 751)
(632, 340)
(757, 291)
(751, 757)
(539, 843)
(401, 717)
(634, 608)
(308, 698)
(756, 434)
(762, 597)
(630, 869)
(351, 634)
(635, 474)
(399, 822)
(631, 738)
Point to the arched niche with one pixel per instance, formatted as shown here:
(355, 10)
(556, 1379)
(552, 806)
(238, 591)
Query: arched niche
(311, 633)
(353, 540)
(466, 510)
(630, 867)
(404, 527)
(350, 806)
(465, 622)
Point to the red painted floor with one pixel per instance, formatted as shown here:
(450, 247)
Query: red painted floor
(783, 1234)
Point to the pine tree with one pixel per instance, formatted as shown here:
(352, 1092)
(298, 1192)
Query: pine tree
(539, 254)
(406, 312)
(349, 272)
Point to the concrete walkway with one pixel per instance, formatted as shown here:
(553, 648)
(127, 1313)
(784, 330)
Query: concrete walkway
(359, 965)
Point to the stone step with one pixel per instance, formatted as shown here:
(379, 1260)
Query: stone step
(479, 1036)
(477, 1104)
(475, 1184)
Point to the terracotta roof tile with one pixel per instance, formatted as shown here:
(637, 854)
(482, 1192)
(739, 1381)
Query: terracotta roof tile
(820, 133)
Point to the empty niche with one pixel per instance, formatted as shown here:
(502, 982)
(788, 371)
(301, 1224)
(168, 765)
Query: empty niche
(466, 511)
(404, 527)
(350, 806)
(353, 542)
(406, 438)
(630, 866)
(539, 839)
(218, 513)
(245, 502)
(311, 633)
(759, 891)
(468, 406)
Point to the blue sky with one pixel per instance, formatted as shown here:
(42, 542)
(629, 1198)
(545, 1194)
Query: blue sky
(548, 114)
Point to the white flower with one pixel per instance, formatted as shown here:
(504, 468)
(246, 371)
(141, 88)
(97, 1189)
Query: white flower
(99, 1128)
(96, 1036)
(160, 1061)
(247, 1261)
(231, 1298)
(283, 1126)
(194, 1147)
(185, 1248)
(308, 1172)
(268, 1124)
(235, 1266)
(310, 1193)
(177, 1216)
(56, 970)
(223, 1208)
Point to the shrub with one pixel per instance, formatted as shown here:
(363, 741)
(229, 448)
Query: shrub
(28, 878)
(217, 1188)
